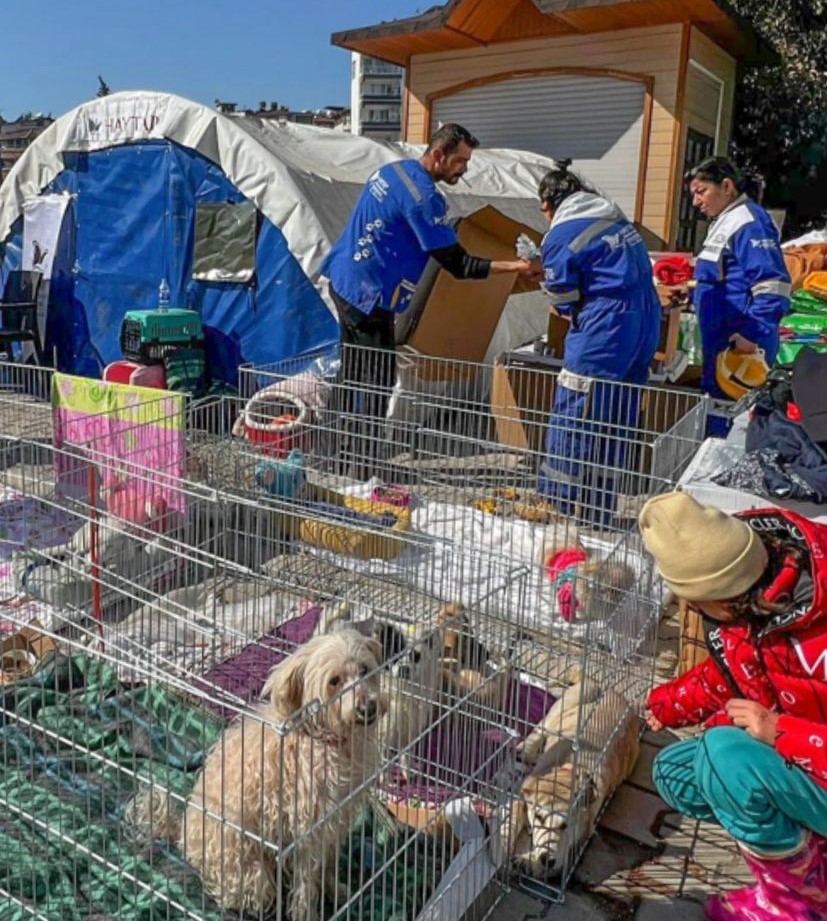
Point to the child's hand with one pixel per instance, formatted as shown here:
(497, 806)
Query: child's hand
(758, 721)
(652, 721)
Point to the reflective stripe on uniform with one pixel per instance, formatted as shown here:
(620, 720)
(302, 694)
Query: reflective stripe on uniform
(582, 240)
(550, 472)
(559, 298)
(578, 382)
(723, 229)
(409, 184)
(772, 286)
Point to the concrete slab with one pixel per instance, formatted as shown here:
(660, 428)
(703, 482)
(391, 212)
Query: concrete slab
(589, 907)
(517, 906)
(641, 776)
(635, 812)
(679, 910)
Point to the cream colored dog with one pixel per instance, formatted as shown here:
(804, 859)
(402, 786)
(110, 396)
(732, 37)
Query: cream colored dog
(267, 791)
(607, 731)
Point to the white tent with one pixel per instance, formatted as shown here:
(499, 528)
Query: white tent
(302, 180)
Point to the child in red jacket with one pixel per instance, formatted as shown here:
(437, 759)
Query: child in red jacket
(760, 770)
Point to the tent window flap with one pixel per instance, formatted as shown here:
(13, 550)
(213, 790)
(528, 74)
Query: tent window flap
(225, 242)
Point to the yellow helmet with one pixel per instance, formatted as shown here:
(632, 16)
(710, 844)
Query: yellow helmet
(737, 373)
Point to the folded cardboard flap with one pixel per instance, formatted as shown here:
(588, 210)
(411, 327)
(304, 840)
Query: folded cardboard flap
(458, 318)
(22, 652)
(556, 332)
(521, 398)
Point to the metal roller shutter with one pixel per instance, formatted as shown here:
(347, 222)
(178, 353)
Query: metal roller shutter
(595, 121)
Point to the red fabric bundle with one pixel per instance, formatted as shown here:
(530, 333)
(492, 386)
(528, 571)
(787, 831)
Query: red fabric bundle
(672, 270)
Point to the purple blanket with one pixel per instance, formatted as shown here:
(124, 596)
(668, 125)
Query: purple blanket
(244, 675)
(456, 748)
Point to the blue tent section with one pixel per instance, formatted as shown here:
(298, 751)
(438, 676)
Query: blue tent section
(131, 223)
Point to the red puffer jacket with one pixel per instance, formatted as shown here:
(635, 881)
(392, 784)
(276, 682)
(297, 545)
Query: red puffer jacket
(779, 661)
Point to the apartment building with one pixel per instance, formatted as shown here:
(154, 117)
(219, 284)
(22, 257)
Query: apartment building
(16, 136)
(376, 98)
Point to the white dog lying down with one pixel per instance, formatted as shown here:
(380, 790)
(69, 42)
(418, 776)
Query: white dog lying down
(267, 788)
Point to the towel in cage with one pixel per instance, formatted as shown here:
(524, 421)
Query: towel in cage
(354, 527)
(62, 576)
(134, 437)
(78, 744)
(462, 753)
(30, 522)
(243, 676)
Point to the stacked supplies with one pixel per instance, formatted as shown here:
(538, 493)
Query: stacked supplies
(806, 323)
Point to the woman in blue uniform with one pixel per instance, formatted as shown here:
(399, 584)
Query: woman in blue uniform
(742, 287)
(598, 275)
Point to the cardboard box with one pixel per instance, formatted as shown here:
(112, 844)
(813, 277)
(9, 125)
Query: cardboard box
(673, 299)
(522, 393)
(453, 319)
(556, 335)
(22, 652)
(670, 328)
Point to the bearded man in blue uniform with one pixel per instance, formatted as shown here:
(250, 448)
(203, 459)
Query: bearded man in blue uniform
(399, 222)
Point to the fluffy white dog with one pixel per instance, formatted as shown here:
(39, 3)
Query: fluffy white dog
(282, 783)
(413, 676)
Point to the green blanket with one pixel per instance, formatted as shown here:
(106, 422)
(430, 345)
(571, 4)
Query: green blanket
(72, 739)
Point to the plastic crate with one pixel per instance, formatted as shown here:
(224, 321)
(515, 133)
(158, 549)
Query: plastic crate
(148, 335)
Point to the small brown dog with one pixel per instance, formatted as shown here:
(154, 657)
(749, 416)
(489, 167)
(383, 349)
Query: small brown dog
(607, 732)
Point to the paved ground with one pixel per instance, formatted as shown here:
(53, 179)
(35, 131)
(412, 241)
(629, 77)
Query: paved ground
(645, 862)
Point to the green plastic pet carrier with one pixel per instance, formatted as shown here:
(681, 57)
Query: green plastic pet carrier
(148, 335)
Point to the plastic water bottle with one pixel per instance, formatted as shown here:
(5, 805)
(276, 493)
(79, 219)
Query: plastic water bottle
(526, 248)
(163, 296)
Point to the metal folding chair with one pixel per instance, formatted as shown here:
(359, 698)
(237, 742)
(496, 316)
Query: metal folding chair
(18, 313)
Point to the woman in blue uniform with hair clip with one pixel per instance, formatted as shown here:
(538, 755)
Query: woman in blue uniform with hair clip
(597, 273)
(742, 287)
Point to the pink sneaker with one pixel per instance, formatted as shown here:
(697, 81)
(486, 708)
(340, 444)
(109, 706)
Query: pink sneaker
(737, 905)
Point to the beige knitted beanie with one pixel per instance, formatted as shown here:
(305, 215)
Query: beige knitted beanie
(702, 553)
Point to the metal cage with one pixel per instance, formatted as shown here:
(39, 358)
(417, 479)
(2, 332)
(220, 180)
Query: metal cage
(515, 644)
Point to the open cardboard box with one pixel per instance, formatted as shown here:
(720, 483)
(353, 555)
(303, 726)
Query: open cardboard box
(673, 299)
(522, 393)
(23, 651)
(452, 319)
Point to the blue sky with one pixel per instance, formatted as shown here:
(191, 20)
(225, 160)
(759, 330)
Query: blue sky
(237, 50)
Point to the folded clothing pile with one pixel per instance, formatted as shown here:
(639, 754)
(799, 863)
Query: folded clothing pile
(806, 323)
